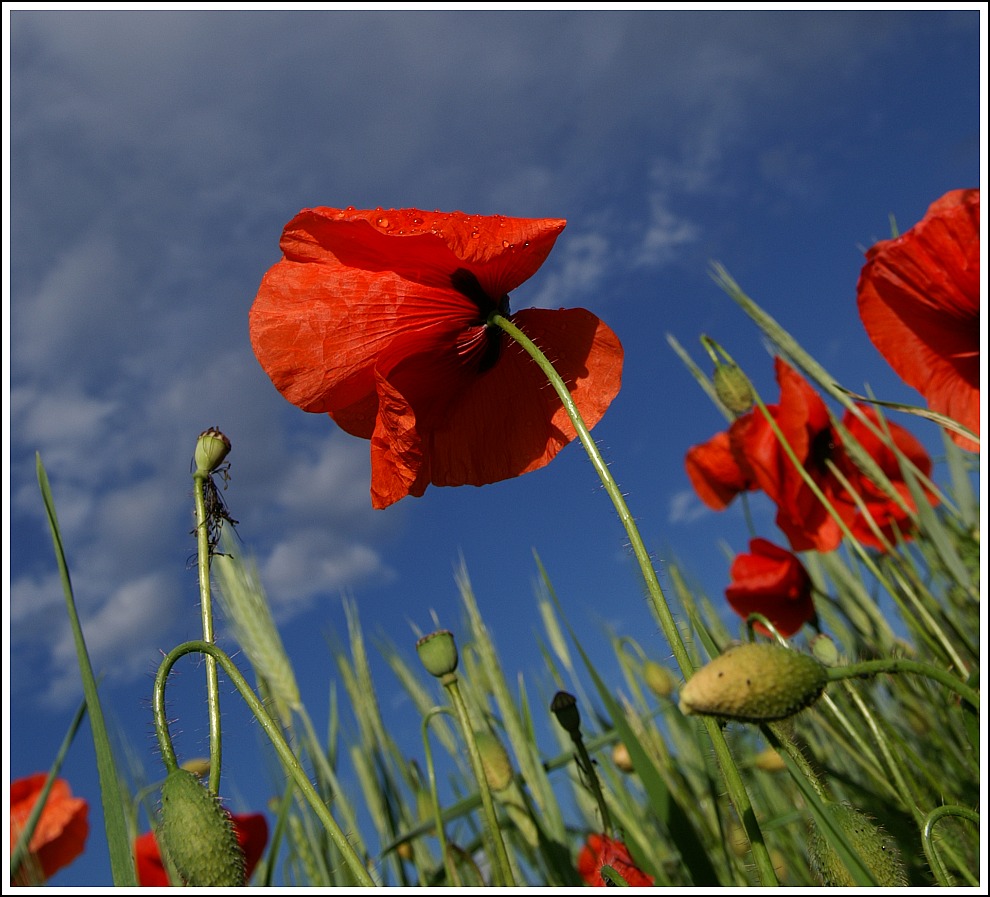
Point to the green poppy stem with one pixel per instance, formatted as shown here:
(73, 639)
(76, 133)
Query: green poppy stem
(733, 778)
(500, 856)
(289, 760)
(903, 665)
(206, 612)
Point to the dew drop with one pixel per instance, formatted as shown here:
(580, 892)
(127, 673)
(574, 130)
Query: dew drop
(383, 222)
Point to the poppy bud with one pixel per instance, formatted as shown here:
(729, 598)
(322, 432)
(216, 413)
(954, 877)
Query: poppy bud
(755, 682)
(825, 650)
(438, 653)
(564, 707)
(494, 760)
(211, 448)
(769, 761)
(877, 850)
(197, 834)
(658, 679)
(198, 766)
(733, 388)
(621, 758)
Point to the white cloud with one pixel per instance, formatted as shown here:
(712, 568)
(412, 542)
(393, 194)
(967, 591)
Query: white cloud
(666, 233)
(685, 507)
(581, 263)
(314, 562)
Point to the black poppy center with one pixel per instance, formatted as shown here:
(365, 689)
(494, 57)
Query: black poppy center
(467, 285)
(822, 448)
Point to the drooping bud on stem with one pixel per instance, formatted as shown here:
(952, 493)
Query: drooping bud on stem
(197, 834)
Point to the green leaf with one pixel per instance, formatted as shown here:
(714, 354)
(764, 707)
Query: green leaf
(121, 862)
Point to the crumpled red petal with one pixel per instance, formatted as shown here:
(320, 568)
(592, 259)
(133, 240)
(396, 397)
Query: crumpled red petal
(62, 829)
(362, 319)
(772, 581)
(919, 299)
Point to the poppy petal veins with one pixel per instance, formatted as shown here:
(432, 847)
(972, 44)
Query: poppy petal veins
(378, 318)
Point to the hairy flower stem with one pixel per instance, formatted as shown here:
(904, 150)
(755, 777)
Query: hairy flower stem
(902, 665)
(733, 778)
(500, 855)
(271, 728)
(206, 612)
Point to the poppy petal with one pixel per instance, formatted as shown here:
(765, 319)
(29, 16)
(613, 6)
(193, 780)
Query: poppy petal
(442, 422)
(62, 829)
(919, 300)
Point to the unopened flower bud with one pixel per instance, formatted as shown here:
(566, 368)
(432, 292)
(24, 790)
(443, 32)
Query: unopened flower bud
(494, 760)
(825, 650)
(198, 766)
(769, 761)
(733, 388)
(564, 707)
(755, 682)
(211, 448)
(438, 653)
(621, 758)
(877, 850)
(660, 680)
(197, 834)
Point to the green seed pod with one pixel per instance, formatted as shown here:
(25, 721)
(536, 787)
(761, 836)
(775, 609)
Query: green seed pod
(494, 759)
(438, 653)
(197, 835)
(211, 448)
(754, 682)
(733, 388)
(877, 849)
(659, 679)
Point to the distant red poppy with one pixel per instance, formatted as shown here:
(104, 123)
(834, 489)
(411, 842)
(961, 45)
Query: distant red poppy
(252, 834)
(749, 456)
(601, 850)
(61, 832)
(919, 299)
(771, 581)
(378, 318)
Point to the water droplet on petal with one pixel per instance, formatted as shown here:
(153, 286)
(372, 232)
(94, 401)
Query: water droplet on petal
(382, 222)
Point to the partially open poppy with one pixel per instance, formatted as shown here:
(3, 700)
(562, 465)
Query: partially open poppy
(919, 299)
(601, 850)
(378, 318)
(252, 835)
(773, 582)
(749, 456)
(60, 834)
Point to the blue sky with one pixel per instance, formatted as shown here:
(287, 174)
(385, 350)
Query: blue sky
(154, 157)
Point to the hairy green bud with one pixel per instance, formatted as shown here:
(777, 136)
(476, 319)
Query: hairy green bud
(197, 834)
(754, 682)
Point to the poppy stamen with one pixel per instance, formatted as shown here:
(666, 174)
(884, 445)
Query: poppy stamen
(466, 283)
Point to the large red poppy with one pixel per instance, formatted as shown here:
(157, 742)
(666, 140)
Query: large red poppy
(749, 456)
(60, 834)
(771, 581)
(601, 850)
(252, 835)
(378, 318)
(919, 299)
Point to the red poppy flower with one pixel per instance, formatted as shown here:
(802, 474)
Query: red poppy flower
(749, 456)
(919, 299)
(378, 318)
(601, 850)
(771, 581)
(60, 834)
(252, 834)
